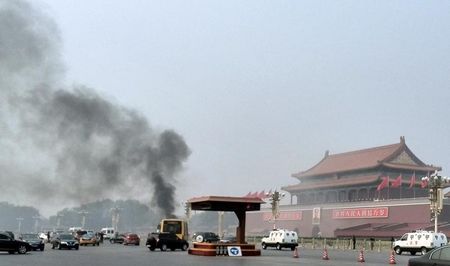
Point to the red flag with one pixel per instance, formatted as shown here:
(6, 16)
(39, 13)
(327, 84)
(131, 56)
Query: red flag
(424, 183)
(397, 182)
(384, 183)
(412, 182)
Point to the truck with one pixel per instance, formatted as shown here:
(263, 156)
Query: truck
(171, 233)
(176, 226)
(419, 241)
(108, 232)
(280, 238)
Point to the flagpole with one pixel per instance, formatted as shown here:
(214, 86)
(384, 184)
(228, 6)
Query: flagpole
(389, 188)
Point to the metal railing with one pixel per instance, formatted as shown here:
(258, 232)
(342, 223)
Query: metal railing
(372, 244)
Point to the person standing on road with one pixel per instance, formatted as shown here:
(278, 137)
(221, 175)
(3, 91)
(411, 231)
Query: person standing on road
(354, 242)
(48, 236)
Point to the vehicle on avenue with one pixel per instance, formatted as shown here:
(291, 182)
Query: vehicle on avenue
(89, 239)
(280, 238)
(11, 245)
(207, 237)
(419, 241)
(131, 239)
(165, 241)
(9, 233)
(65, 241)
(107, 232)
(34, 240)
(438, 256)
(43, 236)
(75, 229)
(78, 234)
(117, 238)
(176, 226)
(56, 232)
(228, 239)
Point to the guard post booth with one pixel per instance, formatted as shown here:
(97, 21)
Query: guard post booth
(238, 205)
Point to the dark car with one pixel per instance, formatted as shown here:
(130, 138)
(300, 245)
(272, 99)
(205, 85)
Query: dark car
(438, 256)
(9, 233)
(7, 243)
(131, 239)
(208, 237)
(117, 238)
(228, 239)
(65, 241)
(34, 241)
(165, 241)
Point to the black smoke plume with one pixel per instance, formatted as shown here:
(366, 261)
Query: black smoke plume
(71, 144)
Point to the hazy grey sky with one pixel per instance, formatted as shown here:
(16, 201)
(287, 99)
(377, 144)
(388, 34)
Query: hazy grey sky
(260, 89)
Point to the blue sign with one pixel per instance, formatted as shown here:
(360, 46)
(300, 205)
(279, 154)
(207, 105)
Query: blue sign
(234, 251)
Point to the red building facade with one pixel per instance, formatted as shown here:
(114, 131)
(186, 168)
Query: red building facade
(371, 192)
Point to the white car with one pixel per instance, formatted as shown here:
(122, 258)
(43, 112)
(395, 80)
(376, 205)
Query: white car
(419, 241)
(43, 236)
(280, 238)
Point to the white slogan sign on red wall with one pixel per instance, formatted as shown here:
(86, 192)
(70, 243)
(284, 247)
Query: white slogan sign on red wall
(380, 212)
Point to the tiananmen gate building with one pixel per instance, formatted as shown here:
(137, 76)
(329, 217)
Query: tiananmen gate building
(376, 192)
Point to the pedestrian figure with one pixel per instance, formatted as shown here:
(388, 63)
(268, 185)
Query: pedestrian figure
(372, 243)
(354, 242)
(101, 237)
(48, 236)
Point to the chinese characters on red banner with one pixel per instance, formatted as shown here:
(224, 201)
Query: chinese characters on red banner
(381, 212)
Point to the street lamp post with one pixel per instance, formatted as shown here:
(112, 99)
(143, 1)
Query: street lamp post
(220, 224)
(115, 217)
(83, 217)
(187, 210)
(20, 224)
(58, 220)
(435, 184)
(275, 198)
(36, 222)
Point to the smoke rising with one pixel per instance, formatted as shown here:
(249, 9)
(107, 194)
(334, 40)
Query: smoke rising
(71, 144)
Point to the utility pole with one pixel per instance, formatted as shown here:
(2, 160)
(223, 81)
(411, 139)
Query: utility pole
(435, 184)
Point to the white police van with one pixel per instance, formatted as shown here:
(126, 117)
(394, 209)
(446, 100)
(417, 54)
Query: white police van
(280, 238)
(108, 232)
(419, 241)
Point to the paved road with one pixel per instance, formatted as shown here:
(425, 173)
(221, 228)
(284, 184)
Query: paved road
(119, 255)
